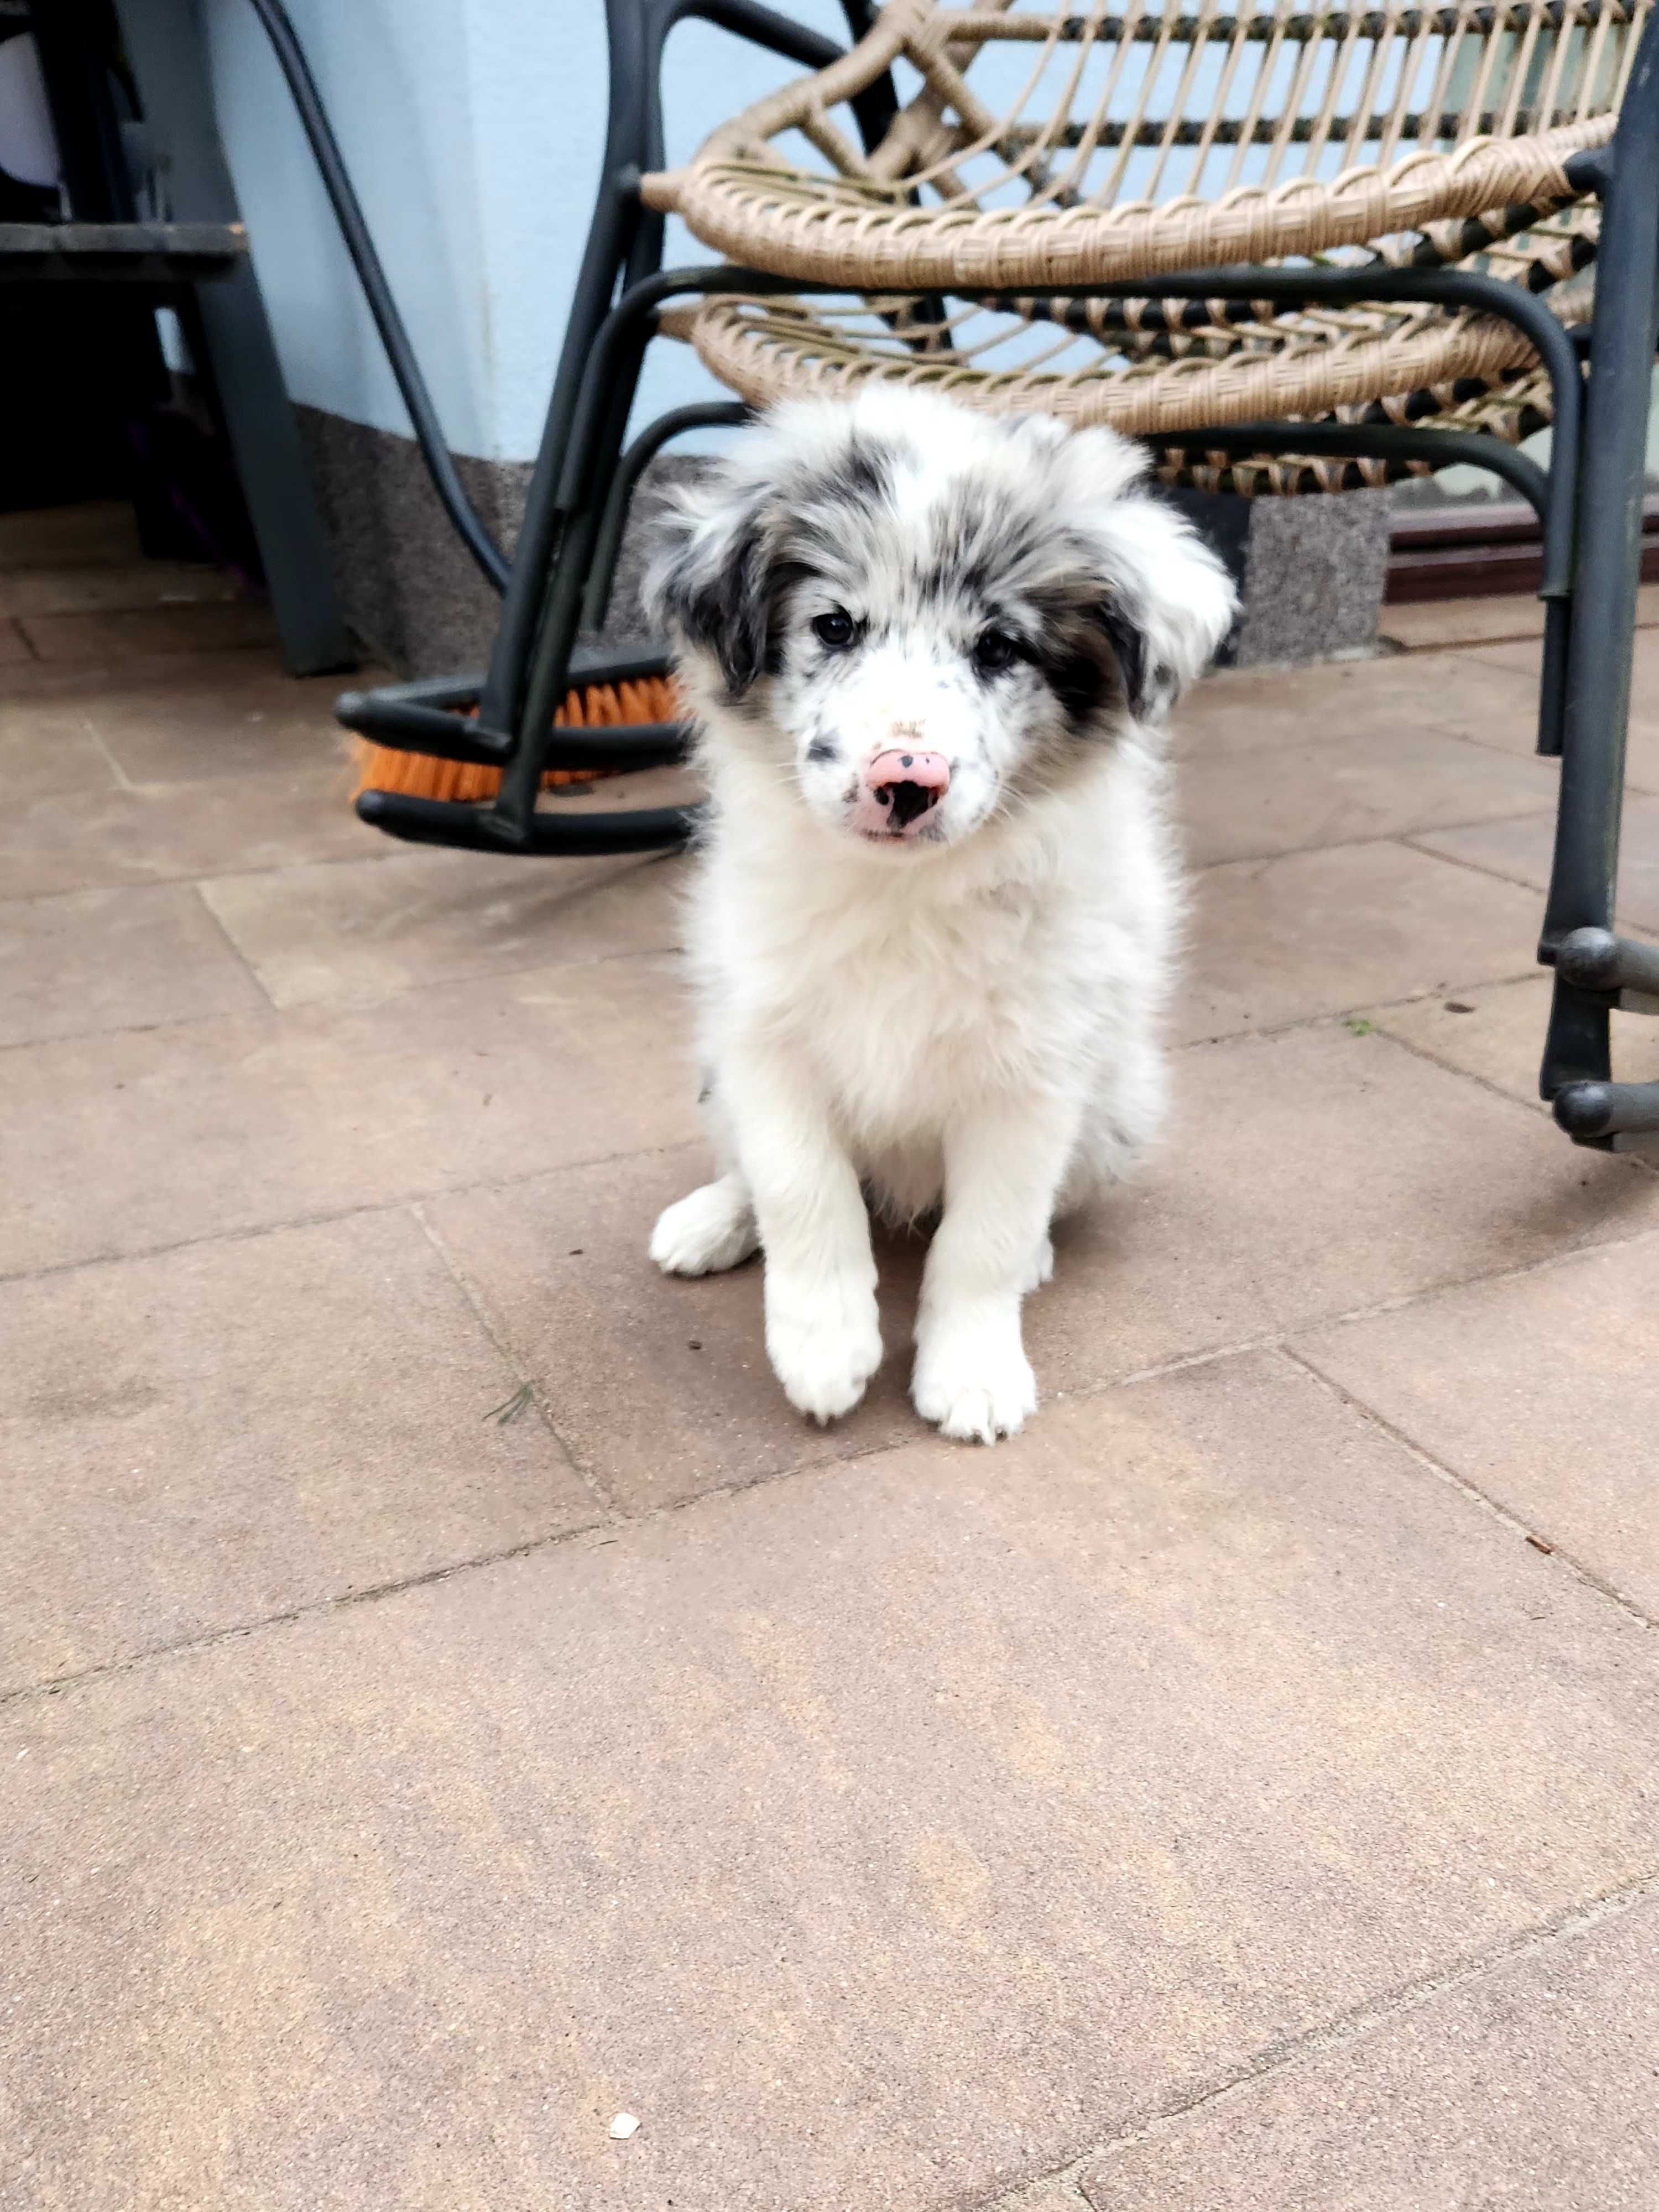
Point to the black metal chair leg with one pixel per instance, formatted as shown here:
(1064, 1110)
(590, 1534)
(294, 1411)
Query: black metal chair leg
(1576, 1065)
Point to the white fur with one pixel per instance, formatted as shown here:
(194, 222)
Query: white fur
(970, 1018)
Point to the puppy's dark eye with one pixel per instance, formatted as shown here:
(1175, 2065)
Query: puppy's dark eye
(836, 629)
(993, 649)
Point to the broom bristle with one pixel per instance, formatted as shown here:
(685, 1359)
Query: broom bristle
(651, 699)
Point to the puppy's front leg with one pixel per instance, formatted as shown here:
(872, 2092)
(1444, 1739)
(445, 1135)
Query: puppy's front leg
(1003, 1166)
(822, 1334)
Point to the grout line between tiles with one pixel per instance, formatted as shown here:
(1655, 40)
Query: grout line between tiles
(1330, 1016)
(1280, 1339)
(321, 1215)
(604, 1497)
(1483, 1500)
(185, 1647)
(147, 1029)
(1649, 1161)
(236, 952)
(830, 1457)
(1410, 838)
(1364, 2019)
(123, 780)
(1403, 837)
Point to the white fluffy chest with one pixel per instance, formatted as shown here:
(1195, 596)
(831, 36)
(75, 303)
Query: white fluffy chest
(908, 997)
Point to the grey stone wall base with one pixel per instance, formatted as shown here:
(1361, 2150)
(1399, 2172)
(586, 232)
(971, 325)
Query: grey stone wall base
(1311, 570)
(410, 591)
(1315, 571)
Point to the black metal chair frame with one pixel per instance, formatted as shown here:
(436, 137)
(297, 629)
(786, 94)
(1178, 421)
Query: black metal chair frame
(1589, 503)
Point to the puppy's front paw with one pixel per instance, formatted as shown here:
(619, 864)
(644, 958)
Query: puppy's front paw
(824, 1342)
(973, 1378)
(712, 1230)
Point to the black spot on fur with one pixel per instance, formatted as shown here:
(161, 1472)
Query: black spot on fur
(722, 604)
(1091, 651)
(1128, 644)
(862, 472)
(820, 750)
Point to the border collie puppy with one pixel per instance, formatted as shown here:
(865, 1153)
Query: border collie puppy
(931, 653)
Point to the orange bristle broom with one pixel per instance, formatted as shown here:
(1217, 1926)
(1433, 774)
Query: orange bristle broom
(653, 699)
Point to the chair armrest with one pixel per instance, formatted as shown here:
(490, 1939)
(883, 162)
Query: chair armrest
(763, 26)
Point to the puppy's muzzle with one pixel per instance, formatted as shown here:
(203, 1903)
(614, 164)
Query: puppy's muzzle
(897, 791)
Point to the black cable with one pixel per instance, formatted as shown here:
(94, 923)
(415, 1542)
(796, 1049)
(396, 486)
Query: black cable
(400, 354)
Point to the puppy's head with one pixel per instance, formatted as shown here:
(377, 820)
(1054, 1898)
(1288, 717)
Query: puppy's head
(923, 616)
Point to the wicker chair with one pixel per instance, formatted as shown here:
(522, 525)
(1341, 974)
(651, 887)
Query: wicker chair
(1130, 144)
(1295, 251)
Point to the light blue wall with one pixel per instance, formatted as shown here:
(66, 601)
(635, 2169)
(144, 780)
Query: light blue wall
(473, 131)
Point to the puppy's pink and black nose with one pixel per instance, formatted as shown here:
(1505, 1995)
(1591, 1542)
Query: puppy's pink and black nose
(907, 784)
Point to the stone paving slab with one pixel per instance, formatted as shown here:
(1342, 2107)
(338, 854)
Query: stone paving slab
(1337, 788)
(1308, 933)
(79, 588)
(1520, 850)
(877, 1839)
(658, 1388)
(402, 919)
(218, 714)
(113, 960)
(1495, 1031)
(1435, 623)
(1055, 2194)
(97, 833)
(194, 1442)
(1307, 1175)
(84, 639)
(1522, 660)
(1532, 2089)
(47, 747)
(1542, 1390)
(1385, 697)
(101, 531)
(143, 1138)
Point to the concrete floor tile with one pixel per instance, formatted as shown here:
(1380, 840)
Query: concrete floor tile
(99, 833)
(1307, 934)
(219, 714)
(1338, 788)
(93, 532)
(86, 639)
(46, 746)
(1385, 698)
(197, 1441)
(1520, 850)
(1310, 1174)
(128, 1142)
(660, 1389)
(1419, 623)
(1431, 623)
(77, 588)
(1641, 736)
(1542, 1391)
(1495, 1031)
(1056, 2194)
(114, 960)
(878, 1838)
(405, 917)
(1306, 1176)
(1531, 2087)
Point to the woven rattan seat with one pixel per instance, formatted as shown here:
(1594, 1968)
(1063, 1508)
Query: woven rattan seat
(1112, 145)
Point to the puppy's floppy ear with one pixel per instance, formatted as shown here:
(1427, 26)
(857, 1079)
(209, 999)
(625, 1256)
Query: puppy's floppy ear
(1170, 601)
(711, 577)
